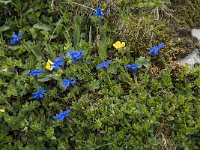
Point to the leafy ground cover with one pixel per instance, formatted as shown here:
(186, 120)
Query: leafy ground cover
(97, 75)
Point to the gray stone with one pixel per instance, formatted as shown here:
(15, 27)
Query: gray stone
(194, 57)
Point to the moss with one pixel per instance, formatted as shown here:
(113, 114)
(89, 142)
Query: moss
(143, 28)
(187, 12)
(141, 32)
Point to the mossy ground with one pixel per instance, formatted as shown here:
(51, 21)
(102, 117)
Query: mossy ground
(169, 23)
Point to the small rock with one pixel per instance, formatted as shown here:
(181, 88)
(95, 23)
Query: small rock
(194, 57)
(196, 33)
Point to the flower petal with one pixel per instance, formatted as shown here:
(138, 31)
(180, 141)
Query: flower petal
(13, 41)
(119, 45)
(14, 36)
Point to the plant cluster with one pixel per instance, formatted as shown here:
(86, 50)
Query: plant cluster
(65, 83)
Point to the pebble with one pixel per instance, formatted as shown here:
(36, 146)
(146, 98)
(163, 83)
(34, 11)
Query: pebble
(194, 57)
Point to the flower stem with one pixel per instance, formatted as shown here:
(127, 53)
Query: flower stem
(135, 77)
(163, 60)
(106, 72)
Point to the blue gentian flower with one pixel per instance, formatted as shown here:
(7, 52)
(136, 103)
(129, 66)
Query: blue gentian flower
(76, 55)
(62, 115)
(155, 49)
(16, 38)
(39, 94)
(104, 64)
(98, 12)
(133, 67)
(68, 82)
(58, 63)
(35, 73)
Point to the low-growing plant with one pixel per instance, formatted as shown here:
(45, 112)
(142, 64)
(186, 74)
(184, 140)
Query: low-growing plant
(66, 82)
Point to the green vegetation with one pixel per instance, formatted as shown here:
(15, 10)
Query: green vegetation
(157, 107)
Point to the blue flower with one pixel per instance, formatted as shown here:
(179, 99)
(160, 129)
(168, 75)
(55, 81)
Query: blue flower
(16, 38)
(58, 63)
(34, 73)
(104, 64)
(133, 67)
(68, 82)
(62, 115)
(39, 94)
(76, 55)
(98, 12)
(155, 49)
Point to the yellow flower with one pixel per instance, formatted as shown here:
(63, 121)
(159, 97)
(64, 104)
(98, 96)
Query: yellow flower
(65, 48)
(48, 65)
(119, 45)
(2, 110)
(5, 70)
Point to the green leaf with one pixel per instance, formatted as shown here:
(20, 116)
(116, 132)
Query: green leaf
(137, 127)
(7, 71)
(54, 104)
(37, 52)
(30, 106)
(4, 28)
(90, 40)
(181, 99)
(171, 117)
(2, 59)
(154, 141)
(6, 2)
(98, 124)
(43, 27)
(144, 61)
(45, 79)
(33, 33)
(198, 81)
(102, 46)
(94, 85)
(50, 133)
